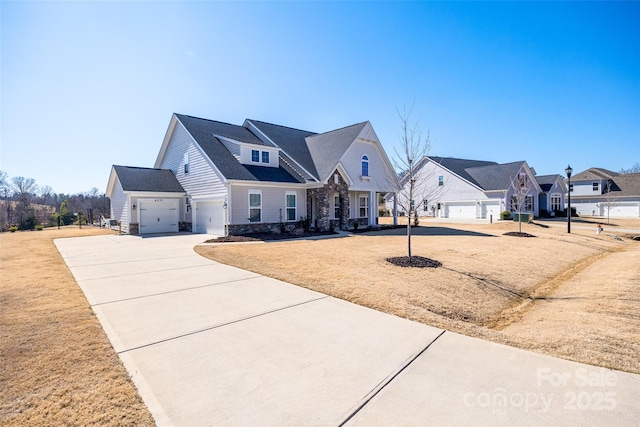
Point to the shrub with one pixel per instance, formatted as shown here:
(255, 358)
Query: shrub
(305, 223)
(29, 223)
(39, 227)
(544, 213)
(13, 228)
(355, 225)
(505, 215)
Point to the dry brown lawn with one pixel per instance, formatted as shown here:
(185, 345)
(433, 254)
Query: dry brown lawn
(58, 367)
(574, 296)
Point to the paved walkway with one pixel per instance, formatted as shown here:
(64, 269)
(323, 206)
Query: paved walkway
(209, 344)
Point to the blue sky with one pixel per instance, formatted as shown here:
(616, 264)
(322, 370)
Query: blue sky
(89, 84)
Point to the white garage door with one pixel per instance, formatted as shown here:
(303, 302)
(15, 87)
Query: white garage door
(210, 218)
(461, 210)
(491, 209)
(624, 210)
(158, 215)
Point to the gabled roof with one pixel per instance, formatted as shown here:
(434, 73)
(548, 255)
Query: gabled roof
(147, 179)
(547, 181)
(203, 130)
(594, 173)
(495, 177)
(328, 148)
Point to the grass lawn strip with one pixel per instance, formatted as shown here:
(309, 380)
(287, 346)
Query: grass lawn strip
(58, 367)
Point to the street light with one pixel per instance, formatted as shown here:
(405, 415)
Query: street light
(568, 170)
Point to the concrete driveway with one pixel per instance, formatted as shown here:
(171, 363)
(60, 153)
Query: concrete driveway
(209, 344)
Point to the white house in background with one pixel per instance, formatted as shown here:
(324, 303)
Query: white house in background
(219, 178)
(462, 188)
(601, 192)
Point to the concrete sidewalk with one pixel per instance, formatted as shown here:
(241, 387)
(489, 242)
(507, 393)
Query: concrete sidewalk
(209, 344)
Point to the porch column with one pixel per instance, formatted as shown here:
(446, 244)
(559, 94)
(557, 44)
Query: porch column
(395, 209)
(373, 208)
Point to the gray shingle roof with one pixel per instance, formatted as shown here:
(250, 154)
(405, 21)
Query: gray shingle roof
(147, 179)
(594, 173)
(327, 148)
(546, 181)
(291, 141)
(203, 130)
(495, 177)
(460, 166)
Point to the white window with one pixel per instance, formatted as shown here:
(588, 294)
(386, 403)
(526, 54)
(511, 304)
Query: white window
(255, 206)
(255, 156)
(364, 206)
(291, 207)
(186, 162)
(556, 204)
(596, 186)
(336, 206)
(440, 180)
(522, 180)
(265, 157)
(425, 205)
(365, 166)
(528, 204)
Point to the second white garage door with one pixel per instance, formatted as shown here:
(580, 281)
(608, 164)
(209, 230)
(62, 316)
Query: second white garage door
(158, 215)
(461, 210)
(210, 218)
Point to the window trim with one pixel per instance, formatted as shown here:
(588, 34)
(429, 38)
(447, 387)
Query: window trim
(186, 162)
(255, 153)
(264, 157)
(555, 197)
(595, 186)
(259, 208)
(365, 206)
(336, 206)
(287, 207)
(364, 166)
(440, 180)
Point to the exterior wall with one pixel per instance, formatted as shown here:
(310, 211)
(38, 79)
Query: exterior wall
(202, 181)
(380, 178)
(273, 203)
(120, 206)
(627, 208)
(245, 155)
(585, 188)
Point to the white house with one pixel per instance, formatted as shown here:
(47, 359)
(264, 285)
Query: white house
(601, 192)
(461, 188)
(232, 179)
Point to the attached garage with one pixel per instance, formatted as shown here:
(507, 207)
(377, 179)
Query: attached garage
(158, 215)
(210, 217)
(145, 201)
(461, 210)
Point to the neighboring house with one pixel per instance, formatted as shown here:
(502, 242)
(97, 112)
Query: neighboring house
(461, 188)
(230, 179)
(552, 197)
(600, 192)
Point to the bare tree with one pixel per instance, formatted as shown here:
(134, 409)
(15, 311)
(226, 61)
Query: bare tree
(413, 148)
(633, 169)
(23, 191)
(609, 200)
(519, 196)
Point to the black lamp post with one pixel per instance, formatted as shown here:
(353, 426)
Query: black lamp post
(568, 170)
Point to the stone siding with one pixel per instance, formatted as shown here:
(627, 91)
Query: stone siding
(323, 198)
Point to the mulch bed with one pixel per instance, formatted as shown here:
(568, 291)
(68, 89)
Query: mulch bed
(414, 261)
(261, 237)
(517, 234)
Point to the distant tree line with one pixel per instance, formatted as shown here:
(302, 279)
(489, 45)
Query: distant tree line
(26, 205)
(633, 169)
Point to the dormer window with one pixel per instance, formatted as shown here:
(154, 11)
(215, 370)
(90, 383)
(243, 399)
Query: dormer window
(265, 157)
(255, 156)
(365, 166)
(596, 186)
(186, 162)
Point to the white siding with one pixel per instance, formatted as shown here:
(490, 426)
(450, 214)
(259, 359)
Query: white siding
(380, 177)
(120, 206)
(273, 203)
(202, 180)
(585, 188)
(245, 155)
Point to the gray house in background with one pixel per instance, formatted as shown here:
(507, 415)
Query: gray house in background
(474, 189)
(601, 192)
(219, 178)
